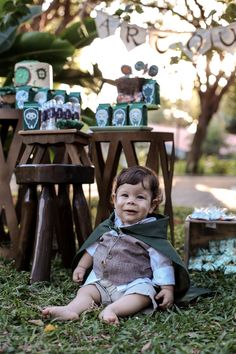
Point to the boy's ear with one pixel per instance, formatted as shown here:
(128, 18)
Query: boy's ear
(154, 204)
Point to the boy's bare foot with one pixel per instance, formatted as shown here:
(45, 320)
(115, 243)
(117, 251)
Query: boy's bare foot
(61, 313)
(109, 316)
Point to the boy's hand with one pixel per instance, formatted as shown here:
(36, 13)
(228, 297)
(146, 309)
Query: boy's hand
(78, 274)
(167, 296)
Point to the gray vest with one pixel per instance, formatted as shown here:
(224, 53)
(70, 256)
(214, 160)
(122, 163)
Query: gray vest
(121, 259)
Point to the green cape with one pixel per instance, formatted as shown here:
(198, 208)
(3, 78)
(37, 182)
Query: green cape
(153, 234)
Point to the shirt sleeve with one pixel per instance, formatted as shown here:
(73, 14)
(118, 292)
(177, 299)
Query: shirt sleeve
(163, 271)
(92, 248)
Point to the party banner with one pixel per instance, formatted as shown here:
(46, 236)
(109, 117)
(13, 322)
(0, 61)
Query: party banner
(192, 44)
(162, 41)
(132, 35)
(223, 38)
(106, 25)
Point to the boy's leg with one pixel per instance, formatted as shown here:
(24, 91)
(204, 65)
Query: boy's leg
(86, 297)
(125, 306)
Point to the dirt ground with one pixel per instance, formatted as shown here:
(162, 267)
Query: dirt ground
(204, 191)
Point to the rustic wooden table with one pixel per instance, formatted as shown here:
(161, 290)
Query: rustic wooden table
(106, 150)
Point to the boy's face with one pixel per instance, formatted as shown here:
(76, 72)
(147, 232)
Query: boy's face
(133, 202)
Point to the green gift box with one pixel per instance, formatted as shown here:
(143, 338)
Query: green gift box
(58, 95)
(74, 97)
(120, 115)
(103, 115)
(137, 114)
(151, 92)
(31, 116)
(41, 95)
(23, 94)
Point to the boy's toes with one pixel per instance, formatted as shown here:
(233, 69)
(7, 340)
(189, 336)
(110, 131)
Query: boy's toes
(109, 317)
(60, 313)
(46, 312)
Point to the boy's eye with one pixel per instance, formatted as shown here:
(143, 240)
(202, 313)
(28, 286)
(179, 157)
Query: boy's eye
(140, 197)
(124, 195)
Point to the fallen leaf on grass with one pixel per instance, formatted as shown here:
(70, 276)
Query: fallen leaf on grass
(196, 351)
(36, 322)
(193, 334)
(49, 328)
(146, 346)
(104, 336)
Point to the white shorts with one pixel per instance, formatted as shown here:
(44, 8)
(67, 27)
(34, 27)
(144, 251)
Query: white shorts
(109, 292)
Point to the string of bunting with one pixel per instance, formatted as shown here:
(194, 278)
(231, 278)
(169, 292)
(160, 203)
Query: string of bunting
(192, 43)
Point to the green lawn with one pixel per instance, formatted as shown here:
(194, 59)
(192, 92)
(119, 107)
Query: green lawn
(206, 326)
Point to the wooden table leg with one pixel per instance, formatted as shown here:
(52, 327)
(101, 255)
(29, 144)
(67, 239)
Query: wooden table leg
(186, 242)
(27, 229)
(105, 172)
(10, 217)
(81, 214)
(6, 204)
(41, 266)
(65, 233)
(167, 166)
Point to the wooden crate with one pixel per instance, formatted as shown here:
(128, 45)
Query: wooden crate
(198, 233)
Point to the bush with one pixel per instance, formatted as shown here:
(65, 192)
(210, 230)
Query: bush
(210, 165)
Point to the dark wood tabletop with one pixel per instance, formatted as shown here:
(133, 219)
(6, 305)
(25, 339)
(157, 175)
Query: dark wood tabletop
(71, 146)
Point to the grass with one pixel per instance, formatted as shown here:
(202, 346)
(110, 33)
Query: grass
(206, 326)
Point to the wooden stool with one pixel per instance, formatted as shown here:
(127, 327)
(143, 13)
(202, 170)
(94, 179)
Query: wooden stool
(51, 213)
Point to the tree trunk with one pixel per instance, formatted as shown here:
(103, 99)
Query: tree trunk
(195, 152)
(209, 103)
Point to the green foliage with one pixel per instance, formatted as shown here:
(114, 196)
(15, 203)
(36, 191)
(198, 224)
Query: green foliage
(9, 24)
(228, 108)
(214, 165)
(88, 117)
(214, 140)
(180, 167)
(230, 13)
(210, 165)
(56, 49)
(206, 326)
(38, 45)
(13, 11)
(231, 126)
(30, 45)
(44, 47)
(80, 34)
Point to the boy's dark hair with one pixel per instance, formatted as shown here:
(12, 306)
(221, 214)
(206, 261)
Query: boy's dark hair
(139, 174)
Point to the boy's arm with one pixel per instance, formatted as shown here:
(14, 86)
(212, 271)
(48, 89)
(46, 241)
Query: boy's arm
(163, 276)
(162, 268)
(85, 262)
